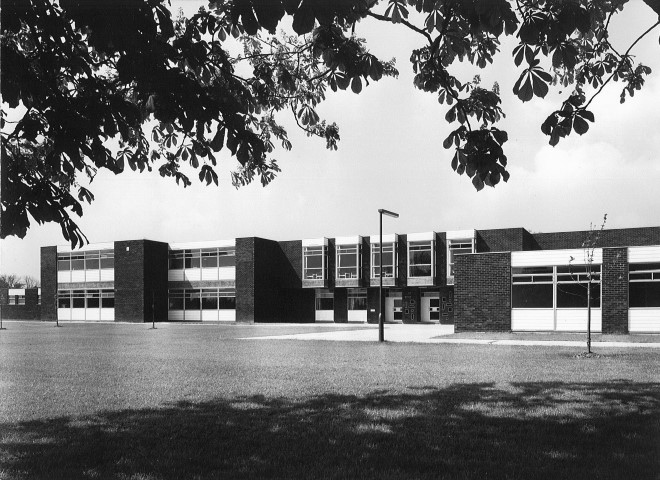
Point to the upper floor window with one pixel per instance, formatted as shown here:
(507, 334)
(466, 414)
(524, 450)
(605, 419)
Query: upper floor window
(455, 247)
(389, 260)
(202, 258)
(420, 259)
(348, 261)
(90, 260)
(314, 263)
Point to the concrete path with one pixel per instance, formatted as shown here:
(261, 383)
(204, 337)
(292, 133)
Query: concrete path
(438, 334)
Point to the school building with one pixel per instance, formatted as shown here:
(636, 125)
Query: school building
(478, 280)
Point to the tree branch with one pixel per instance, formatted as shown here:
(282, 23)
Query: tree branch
(403, 22)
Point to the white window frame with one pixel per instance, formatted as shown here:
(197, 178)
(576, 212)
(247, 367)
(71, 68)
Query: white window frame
(348, 250)
(431, 243)
(375, 250)
(453, 245)
(313, 251)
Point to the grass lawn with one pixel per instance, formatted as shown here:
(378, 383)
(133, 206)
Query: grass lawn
(122, 401)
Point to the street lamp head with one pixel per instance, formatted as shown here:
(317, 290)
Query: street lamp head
(382, 211)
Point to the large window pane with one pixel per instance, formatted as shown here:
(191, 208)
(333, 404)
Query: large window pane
(64, 299)
(209, 299)
(176, 260)
(107, 299)
(537, 295)
(63, 262)
(420, 270)
(227, 302)
(93, 298)
(226, 257)
(574, 295)
(644, 294)
(175, 300)
(209, 258)
(107, 259)
(78, 299)
(192, 300)
(420, 259)
(313, 264)
(77, 262)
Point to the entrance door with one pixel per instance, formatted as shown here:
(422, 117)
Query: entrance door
(393, 309)
(430, 308)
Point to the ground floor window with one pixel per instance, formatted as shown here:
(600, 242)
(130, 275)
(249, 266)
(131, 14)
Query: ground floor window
(644, 285)
(86, 299)
(202, 299)
(554, 287)
(325, 300)
(357, 298)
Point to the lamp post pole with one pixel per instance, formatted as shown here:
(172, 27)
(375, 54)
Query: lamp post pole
(381, 327)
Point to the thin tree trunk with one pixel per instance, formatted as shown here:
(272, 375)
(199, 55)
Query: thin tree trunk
(589, 316)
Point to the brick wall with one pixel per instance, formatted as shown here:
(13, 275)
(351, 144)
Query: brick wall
(49, 283)
(155, 280)
(268, 282)
(441, 259)
(341, 305)
(245, 279)
(30, 311)
(482, 293)
(614, 290)
(501, 240)
(402, 260)
(129, 281)
(372, 303)
(365, 268)
(609, 238)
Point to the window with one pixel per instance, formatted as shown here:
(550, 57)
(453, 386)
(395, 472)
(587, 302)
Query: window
(78, 261)
(314, 263)
(209, 258)
(64, 299)
(420, 259)
(12, 300)
(209, 299)
(644, 285)
(176, 259)
(20, 299)
(532, 287)
(107, 298)
(455, 247)
(93, 298)
(226, 257)
(357, 298)
(572, 286)
(63, 262)
(192, 258)
(78, 299)
(192, 300)
(348, 261)
(176, 299)
(107, 258)
(389, 260)
(325, 300)
(92, 260)
(227, 299)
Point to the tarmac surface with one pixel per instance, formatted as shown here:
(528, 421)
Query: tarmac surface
(435, 333)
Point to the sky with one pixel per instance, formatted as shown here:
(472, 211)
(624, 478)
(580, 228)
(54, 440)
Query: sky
(390, 156)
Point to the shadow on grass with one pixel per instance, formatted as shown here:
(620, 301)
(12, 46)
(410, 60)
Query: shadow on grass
(523, 430)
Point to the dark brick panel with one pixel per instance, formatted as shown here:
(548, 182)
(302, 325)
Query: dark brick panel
(155, 280)
(482, 293)
(49, 283)
(411, 304)
(402, 260)
(629, 237)
(245, 279)
(614, 290)
(365, 267)
(341, 305)
(447, 305)
(129, 281)
(292, 264)
(441, 258)
(372, 304)
(501, 240)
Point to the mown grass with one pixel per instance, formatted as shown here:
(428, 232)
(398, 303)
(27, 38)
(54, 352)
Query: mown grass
(199, 406)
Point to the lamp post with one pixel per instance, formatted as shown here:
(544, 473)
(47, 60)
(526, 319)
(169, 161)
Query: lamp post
(381, 328)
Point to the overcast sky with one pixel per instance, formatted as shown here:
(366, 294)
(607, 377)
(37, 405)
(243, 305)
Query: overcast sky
(391, 156)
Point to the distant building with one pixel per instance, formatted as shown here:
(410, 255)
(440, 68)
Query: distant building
(478, 280)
